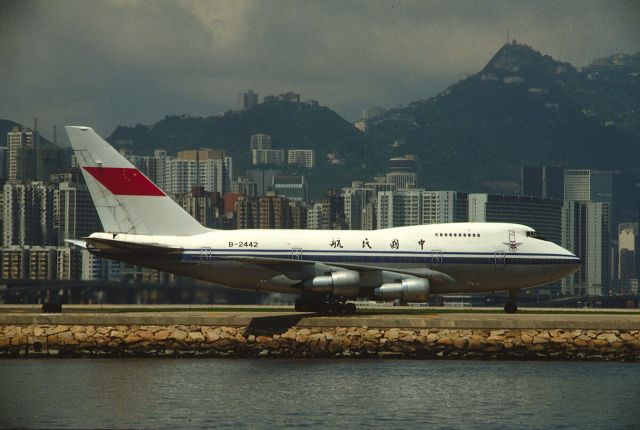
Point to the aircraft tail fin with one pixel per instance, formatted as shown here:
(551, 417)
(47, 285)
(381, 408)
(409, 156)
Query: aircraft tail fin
(126, 200)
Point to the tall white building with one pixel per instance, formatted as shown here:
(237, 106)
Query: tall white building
(180, 175)
(408, 207)
(385, 209)
(314, 217)
(442, 207)
(588, 185)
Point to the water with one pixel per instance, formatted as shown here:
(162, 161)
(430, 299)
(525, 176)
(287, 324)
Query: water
(257, 394)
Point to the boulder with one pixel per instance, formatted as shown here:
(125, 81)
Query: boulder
(178, 334)
(80, 336)
(196, 336)
(161, 335)
(66, 338)
(132, 338)
(392, 334)
(145, 335)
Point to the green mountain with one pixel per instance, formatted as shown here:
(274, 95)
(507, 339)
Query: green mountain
(291, 125)
(522, 108)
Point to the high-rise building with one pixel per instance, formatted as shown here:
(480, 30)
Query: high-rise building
(15, 262)
(27, 210)
(385, 210)
(298, 216)
(627, 240)
(22, 156)
(301, 157)
(314, 216)
(204, 206)
(274, 211)
(293, 187)
(444, 206)
(586, 234)
(328, 214)
(402, 172)
(587, 229)
(543, 181)
(68, 264)
(260, 141)
(247, 100)
(588, 185)
(4, 163)
(263, 178)
(210, 169)
(356, 198)
(268, 156)
(42, 262)
(247, 212)
(243, 185)
(74, 213)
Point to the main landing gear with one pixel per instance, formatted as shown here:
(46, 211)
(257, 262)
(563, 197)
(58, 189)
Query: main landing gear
(333, 306)
(511, 307)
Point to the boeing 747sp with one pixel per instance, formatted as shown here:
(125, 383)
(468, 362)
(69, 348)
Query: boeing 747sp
(144, 226)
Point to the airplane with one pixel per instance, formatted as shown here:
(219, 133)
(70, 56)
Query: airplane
(327, 269)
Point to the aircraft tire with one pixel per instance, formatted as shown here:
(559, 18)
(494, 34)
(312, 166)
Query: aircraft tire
(350, 308)
(510, 308)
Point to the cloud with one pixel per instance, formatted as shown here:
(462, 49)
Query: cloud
(126, 61)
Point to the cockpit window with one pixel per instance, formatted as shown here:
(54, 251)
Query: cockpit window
(535, 235)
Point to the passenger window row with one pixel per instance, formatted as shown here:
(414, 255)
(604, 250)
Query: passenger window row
(457, 234)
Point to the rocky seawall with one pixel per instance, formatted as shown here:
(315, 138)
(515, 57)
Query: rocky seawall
(133, 340)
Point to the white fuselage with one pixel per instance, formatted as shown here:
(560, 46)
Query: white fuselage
(476, 256)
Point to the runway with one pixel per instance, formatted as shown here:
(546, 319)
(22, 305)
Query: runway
(382, 317)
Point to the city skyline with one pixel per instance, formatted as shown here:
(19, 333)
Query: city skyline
(80, 66)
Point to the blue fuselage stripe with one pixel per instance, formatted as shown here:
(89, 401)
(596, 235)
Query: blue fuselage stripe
(426, 257)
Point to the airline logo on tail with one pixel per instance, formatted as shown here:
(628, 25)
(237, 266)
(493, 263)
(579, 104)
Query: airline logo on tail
(124, 181)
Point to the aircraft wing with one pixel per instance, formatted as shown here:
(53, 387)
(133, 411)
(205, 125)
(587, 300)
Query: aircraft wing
(305, 269)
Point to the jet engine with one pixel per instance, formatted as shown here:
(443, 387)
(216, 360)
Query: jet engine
(343, 283)
(408, 290)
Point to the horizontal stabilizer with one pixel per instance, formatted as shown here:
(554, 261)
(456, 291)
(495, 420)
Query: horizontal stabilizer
(120, 246)
(77, 242)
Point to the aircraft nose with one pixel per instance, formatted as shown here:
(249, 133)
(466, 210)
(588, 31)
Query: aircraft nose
(574, 265)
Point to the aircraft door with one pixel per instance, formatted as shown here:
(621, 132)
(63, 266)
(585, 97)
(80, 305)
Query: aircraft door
(436, 257)
(296, 253)
(499, 259)
(206, 255)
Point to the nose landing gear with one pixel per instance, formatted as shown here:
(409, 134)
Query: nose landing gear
(511, 307)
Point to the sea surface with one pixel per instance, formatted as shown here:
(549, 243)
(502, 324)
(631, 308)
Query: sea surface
(277, 393)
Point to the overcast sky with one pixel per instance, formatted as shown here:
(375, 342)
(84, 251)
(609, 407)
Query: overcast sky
(105, 63)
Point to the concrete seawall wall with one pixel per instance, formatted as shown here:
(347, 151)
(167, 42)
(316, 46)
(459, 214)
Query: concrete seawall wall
(298, 337)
